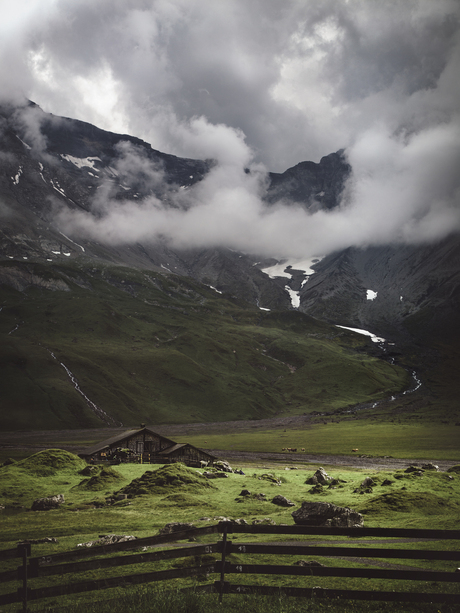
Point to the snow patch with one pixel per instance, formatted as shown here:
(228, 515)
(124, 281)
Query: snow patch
(374, 338)
(371, 295)
(58, 188)
(284, 269)
(15, 179)
(80, 162)
(294, 296)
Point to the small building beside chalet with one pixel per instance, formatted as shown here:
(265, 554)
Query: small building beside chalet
(145, 445)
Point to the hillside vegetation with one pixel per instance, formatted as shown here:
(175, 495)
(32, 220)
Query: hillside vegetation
(86, 346)
(138, 500)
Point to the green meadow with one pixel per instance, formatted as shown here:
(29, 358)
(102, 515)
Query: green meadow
(397, 440)
(161, 494)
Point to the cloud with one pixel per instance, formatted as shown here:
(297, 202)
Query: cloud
(270, 83)
(399, 192)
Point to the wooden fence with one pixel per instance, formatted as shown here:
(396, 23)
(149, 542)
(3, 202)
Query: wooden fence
(77, 561)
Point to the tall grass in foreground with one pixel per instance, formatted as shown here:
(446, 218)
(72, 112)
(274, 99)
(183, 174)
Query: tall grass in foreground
(144, 600)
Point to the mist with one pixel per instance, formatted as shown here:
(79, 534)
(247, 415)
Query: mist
(260, 85)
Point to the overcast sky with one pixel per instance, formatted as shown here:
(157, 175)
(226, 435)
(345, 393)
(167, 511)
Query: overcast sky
(267, 82)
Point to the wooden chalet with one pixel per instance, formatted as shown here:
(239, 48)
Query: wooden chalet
(145, 445)
(186, 453)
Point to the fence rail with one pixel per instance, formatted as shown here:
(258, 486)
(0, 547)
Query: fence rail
(74, 562)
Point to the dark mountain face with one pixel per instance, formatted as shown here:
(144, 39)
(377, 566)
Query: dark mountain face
(49, 161)
(409, 294)
(316, 186)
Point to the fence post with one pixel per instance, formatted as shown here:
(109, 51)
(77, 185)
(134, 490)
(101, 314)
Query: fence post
(24, 549)
(222, 570)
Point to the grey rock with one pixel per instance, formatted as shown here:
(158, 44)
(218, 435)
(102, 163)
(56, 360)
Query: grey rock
(176, 526)
(45, 504)
(327, 514)
(320, 476)
(282, 501)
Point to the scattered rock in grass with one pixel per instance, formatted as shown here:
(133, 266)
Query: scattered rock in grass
(454, 469)
(269, 477)
(413, 469)
(217, 475)
(368, 482)
(221, 518)
(282, 501)
(316, 489)
(266, 521)
(387, 482)
(260, 496)
(245, 493)
(46, 504)
(307, 563)
(430, 466)
(47, 539)
(223, 466)
(327, 514)
(320, 477)
(108, 539)
(176, 526)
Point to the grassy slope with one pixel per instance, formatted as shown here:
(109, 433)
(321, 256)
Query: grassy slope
(146, 347)
(432, 500)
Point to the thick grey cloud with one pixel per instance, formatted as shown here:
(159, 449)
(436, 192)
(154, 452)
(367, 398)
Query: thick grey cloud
(264, 81)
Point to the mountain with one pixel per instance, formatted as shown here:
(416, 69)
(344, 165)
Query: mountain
(98, 334)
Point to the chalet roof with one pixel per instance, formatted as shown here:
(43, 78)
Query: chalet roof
(178, 446)
(109, 442)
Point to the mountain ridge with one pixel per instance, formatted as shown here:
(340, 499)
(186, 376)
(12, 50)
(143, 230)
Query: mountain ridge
(49, 163)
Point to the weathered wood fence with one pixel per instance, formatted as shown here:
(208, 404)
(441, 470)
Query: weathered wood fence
(77, 561)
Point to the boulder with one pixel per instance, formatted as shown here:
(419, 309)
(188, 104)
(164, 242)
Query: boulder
(223, 466)
(320, 476)
(368, 482)
(327, 514)
(45, 504)
(282, 501)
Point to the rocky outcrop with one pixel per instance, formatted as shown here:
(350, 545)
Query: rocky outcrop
(327, 514)
(320, 476)
(45, 504)
(282, 501)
